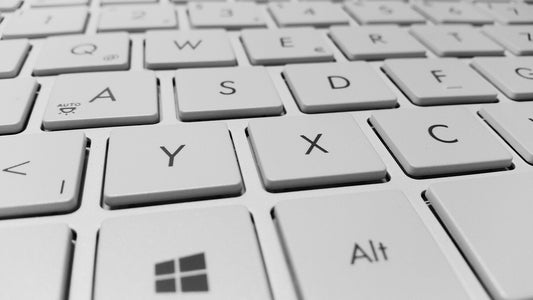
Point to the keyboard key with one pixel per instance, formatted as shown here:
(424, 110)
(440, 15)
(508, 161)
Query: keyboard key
(282, 46)
(439, 81)
(456, 41)
(512, 75)
(35, 261)
(57, 3)
(183, 162)
(12, 56)
(38, 23)
(313, 151)
(513, 122)
(10, 5)
(452, 13)
(185, 49)
(225, 15)
(375, 42)
(102, 99)
(318, 14)
(137, 18)
(489, 220)
(16, 101)
(328, 87)
(84, 53)
(517, 39)
(208, 253)
(41, 173)
(348, 246)
(510, 13)
(439, 141)
(221, 93)
(383, 12)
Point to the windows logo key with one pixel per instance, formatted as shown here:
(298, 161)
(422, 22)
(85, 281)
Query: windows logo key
(192, 275)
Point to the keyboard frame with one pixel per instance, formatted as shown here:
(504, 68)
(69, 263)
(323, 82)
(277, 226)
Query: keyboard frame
(86, 220)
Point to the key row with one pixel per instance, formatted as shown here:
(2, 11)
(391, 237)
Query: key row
(134, 17)
(129, 98)
(368, 240)
(213, 48)
(197, 161)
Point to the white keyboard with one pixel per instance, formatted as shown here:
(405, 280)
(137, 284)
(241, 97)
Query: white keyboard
(283, 150)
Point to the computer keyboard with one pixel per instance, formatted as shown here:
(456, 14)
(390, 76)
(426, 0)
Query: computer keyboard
(282, 150)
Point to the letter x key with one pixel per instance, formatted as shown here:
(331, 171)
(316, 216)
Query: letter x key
(314, 144)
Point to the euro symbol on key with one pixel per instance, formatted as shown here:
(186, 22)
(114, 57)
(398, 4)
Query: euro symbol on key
(84, 49)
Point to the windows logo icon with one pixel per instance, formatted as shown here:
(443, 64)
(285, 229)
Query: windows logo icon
(191, 276)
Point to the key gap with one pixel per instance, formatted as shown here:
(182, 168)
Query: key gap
(491, 81)
(503, 138)
(456, 245)
(386, 179)
(24, 58)
(445, 175)
(263, 263)
(93, 285)
(72, 245)
(243, 190)
(286, 254)
(102, 203)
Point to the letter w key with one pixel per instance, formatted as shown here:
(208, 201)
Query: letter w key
(187, 44)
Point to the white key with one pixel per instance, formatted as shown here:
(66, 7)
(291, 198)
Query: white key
(458, 41)
(512, 75)
(225, 15)
(137, 18)
(191, 48)
(106, 2)
(220, 93)
(41, 173)
(38, 23)
(440, 141)
(439, 81)
(318, 14)
(84, 53)
(206, 254)
(514, 122)
(179, 163)
(102, 99)
(517, 39)
(54, 3)
(375, 42)
(510, 13)
(453, 13)
(12, 56)
(16, 100)
(38, 255)
(328, 87)
(489, 219)
(348, 246)
(10, 5)
(281, 46)
(313, 151)
(383, 12)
